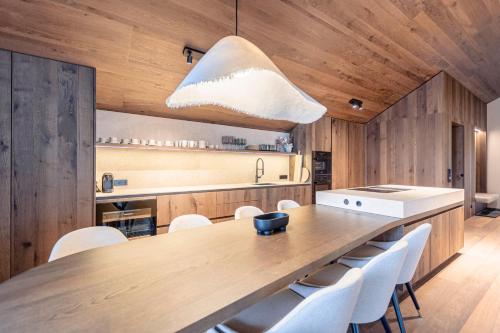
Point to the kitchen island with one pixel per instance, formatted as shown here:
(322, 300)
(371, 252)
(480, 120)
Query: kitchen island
(191, 280)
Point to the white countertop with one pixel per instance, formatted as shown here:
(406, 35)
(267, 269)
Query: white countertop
(415, 200)
(153, 191)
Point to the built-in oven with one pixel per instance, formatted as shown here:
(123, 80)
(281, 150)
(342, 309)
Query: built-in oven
(322, 172)
(134, 218)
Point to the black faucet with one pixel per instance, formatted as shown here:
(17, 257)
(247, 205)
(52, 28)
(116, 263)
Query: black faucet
(257, 169)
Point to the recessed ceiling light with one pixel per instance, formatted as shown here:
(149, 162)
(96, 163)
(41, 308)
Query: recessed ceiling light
(356, 104)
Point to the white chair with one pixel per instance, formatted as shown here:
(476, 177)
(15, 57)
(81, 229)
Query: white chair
(287, 204)
(86, 239)
(328, 310)
(416, 240)
(188, 221)
(379, 279)
(245, 212)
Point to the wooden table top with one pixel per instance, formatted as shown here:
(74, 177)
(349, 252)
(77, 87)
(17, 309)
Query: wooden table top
(186, 281)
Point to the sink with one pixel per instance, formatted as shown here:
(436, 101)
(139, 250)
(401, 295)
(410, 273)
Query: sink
(263, 184)
(380, 189)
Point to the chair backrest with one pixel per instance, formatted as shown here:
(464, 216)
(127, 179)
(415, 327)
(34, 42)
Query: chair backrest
(328, 310)
(247, 212)
(86, 239)
(416, 243)
(287, 204)
(379, 280)
(188, 221)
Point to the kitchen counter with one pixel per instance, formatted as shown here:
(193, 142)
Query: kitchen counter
(190, 280)
(154, 191)
(391, 200)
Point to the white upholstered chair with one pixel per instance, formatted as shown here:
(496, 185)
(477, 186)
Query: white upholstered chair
(416, 240)
(379, 279)
(188, 221)
(329, 310)
(287, 204)
(86, 239)
(244, 212)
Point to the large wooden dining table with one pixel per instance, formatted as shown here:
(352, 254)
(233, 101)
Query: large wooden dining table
(186, 281)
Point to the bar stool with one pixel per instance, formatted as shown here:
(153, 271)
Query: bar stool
(244, 212)
(379, 279)
(328, 310)
(287, 204)
(188, 221)
(416, 240)
(86, 239)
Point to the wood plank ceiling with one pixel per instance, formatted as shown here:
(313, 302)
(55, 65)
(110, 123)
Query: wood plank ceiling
(377, 51)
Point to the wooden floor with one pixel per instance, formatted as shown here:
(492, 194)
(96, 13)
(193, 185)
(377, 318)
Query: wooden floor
(465, 295)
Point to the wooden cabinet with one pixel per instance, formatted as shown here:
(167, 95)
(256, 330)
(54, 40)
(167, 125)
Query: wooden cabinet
(220, 205)
(49, 164)
(322, 134)
(171, 206)
(445, 240)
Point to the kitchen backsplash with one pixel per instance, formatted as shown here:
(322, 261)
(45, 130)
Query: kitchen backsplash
(156, 168)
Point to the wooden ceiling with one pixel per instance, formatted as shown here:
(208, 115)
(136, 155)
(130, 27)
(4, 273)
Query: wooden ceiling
(376, 51)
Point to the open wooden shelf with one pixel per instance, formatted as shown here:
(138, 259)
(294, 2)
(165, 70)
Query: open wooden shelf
(177, 149)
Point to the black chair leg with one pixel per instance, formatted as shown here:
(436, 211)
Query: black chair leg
(385, 323)
(409, 287)
(395, 304)
(354, 328)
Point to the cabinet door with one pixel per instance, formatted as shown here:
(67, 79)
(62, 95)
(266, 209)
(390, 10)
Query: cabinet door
(5, 153)
(424, 265)
(440, 239)
(456, 230)
(171, 206)
(322, 134)
(53, 183)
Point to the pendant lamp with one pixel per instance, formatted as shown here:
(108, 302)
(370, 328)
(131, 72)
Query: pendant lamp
(236, 74)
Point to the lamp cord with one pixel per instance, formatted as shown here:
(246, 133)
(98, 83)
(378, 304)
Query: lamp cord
(236, 8)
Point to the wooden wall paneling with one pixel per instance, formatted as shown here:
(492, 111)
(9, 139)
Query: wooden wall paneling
(51, 122)
(340, 153)
(322, 134)
(5, 162)
(356, 158)
(302, 143)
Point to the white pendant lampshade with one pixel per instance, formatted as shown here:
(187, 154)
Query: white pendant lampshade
(237, 75)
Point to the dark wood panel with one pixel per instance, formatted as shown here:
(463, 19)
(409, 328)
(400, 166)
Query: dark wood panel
(322, 134)
(334, 50)
(52, 156)
(5, 162)
(356, 154)
(340, 153)
(480, 147)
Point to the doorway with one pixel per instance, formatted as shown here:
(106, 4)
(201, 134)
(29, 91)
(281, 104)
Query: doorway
(457, 156)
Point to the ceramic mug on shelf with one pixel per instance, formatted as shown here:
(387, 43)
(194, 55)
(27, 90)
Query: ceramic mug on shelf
(144, 142)
(184, 143)
(125, 141)
(202, 144)
(152, 142)
(135, 141)
(178, 143)
(169, 143)
(113, 139)
(192, 144)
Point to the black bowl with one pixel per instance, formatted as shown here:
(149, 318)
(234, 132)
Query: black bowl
(268, 224)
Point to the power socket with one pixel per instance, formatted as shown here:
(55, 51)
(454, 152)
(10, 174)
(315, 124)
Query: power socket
(283, 177)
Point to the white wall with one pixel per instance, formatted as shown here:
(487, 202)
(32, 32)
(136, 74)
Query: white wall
(154, 168)
(126, 125)
(493, 149)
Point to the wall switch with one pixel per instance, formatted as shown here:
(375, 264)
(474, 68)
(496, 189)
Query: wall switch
(283, 177)
(120, 182)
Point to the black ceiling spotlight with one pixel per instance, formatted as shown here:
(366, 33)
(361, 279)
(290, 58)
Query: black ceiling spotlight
(356, 104)
(188, 52)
